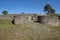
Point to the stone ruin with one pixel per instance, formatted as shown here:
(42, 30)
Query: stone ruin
(49, 20)
(26, 18)
(20, 19)
(44, 19)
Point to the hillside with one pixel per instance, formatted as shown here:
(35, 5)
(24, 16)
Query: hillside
(29, 31)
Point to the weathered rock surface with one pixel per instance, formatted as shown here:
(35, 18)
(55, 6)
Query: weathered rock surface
(49, 20)
(26, 18)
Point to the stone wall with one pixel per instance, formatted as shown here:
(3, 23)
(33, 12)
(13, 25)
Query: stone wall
(25, 18)
(49, 20)
(10, 17)
(21, 19)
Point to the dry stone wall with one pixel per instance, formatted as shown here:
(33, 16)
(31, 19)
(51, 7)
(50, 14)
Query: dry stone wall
(25, 18)
(22, 19)
(49, 20)
(10, 17)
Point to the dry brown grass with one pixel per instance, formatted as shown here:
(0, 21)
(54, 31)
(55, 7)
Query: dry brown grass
(29, 31)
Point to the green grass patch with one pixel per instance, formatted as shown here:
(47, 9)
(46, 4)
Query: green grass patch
(5, 23)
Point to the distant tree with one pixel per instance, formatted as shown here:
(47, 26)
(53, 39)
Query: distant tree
(49, 9)
(4, 12)
(22, 12)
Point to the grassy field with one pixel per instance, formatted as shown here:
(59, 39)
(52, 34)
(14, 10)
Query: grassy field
(29, 31)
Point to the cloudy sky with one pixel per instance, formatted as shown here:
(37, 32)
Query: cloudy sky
(28, 6)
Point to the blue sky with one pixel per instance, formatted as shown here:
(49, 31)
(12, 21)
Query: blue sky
(28, 6)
